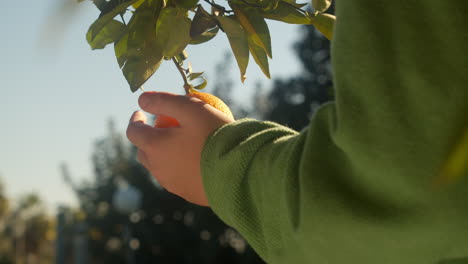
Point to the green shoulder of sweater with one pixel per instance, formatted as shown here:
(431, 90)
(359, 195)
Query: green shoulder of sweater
(355, 186)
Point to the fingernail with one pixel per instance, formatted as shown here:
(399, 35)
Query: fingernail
(135, 117)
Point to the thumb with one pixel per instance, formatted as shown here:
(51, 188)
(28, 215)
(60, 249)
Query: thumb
(182, 108)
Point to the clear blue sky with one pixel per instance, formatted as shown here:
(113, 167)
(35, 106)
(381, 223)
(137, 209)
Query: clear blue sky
(57, 95)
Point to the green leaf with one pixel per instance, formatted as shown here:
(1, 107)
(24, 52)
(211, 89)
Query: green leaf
(122, 53)
(138, 52)
(173, 30)
(195, 75)
(202, 22)
(255, 25)
(288, 14)
(321, 5)
(138, 3)
(456, 165)
(202, 85)
(113, 6)
(187, 4)
(109, 12)
(260, 57)
(110, 33)
(294, 4)
(269, 5)
(238, 40)
(205, 36)
(182, 56)
(324, 23)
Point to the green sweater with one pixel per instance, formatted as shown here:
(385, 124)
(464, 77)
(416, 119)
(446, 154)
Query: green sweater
(355, 185)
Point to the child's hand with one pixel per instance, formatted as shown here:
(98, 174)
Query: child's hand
(172, 155)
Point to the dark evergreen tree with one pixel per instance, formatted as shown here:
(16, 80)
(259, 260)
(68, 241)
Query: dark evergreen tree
(166, 228)
(292, 101)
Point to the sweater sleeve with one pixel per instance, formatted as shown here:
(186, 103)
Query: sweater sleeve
(356, 183)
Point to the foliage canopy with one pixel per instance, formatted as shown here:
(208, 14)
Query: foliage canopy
(161, 30)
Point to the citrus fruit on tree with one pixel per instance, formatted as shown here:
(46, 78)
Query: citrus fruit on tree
(163, 121)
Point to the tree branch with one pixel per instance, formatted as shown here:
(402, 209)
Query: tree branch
(187, 85)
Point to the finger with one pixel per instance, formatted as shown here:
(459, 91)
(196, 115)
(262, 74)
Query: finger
(138, 116)
(139, 133)
(142, 158)
(180, 107)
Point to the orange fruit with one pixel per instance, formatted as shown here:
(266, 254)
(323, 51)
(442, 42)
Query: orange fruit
(166, 121)
(163, 121)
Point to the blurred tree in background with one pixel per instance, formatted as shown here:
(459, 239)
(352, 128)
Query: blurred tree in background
(26, 230)
(5, 243)
(165, 229)
(292, 101)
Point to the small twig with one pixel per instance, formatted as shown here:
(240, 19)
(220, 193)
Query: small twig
(184, 77)
(219, 7)
(123, 19)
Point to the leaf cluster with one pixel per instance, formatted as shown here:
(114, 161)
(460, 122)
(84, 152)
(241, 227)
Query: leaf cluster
(162, 29)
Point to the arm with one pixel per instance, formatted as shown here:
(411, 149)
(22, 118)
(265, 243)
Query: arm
(356, 184)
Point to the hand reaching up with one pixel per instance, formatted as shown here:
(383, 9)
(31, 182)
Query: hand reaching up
(172, 155)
